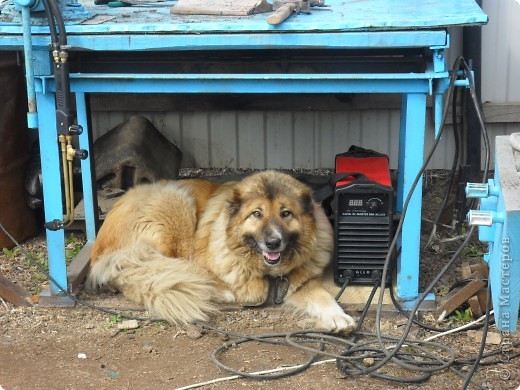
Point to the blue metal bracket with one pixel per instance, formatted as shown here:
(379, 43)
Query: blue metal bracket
(499, 225)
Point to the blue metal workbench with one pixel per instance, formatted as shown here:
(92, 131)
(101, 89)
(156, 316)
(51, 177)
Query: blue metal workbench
(411, 36)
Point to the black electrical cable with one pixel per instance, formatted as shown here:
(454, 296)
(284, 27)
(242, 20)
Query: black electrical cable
(424, 325)
(52, 26)
(265, 338)
(454, 165)
(482, 343)
(391, 354)
(348, 279)
(52, 5)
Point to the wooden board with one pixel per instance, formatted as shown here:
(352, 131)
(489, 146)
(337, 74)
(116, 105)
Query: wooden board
(13, 293)
(221, 7)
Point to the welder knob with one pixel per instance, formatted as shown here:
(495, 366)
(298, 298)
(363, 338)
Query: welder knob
(373, 205)
(82, 154)
(75, 130)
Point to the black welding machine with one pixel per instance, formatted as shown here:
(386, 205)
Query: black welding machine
(363, 207)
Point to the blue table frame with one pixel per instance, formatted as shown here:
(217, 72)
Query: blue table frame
(345, 24)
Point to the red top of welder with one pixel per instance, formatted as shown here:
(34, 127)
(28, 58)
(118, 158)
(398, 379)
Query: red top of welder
(374, 168)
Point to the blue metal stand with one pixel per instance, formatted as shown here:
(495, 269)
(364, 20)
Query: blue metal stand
(419, 27)
(411, 151)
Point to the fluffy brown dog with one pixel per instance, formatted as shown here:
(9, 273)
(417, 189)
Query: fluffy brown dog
(182, 247)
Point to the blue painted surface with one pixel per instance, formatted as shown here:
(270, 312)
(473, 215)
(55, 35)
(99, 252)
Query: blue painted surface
(340, 15)
(411, 151)
(346, 24)
(503, 237)
(51, 178)
(220, 41)
(88, 201)
(246, 83)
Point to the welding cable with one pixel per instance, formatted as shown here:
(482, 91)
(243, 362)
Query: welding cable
(454, 166)
(348, 279)
(57, 18)
(424, 325)
(357, 353)
(271, 339)
(52, 25)
(390, 355)
(485, 136)
(482, 342)
(376, 275)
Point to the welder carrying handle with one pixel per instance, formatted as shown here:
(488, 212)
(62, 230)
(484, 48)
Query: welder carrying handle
(281, 13)
(326, 193)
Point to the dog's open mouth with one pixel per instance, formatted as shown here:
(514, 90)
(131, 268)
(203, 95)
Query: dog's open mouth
(271, 258)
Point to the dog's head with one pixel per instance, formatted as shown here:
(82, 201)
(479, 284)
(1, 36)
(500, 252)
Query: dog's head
(272, 218)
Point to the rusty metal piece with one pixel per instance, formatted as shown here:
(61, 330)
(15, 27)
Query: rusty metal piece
(285, 8)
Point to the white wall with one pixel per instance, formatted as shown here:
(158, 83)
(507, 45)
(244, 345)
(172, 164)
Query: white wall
(501, 52)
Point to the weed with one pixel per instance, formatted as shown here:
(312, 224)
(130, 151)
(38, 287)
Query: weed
(464, 316)
(114, 319)
(11, 252)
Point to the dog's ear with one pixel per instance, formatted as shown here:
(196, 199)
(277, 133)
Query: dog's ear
(234, 202)
(306, 202)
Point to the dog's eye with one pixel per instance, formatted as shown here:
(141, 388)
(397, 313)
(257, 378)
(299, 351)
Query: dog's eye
(285, 213)
(256, 214)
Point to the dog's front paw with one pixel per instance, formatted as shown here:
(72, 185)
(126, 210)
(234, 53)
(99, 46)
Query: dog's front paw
(334, 319)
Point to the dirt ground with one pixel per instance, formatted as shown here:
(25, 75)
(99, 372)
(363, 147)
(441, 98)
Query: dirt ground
(78, 347)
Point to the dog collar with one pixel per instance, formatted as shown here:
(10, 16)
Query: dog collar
(278, 288)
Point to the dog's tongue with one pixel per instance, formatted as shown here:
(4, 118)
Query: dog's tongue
(271, 255)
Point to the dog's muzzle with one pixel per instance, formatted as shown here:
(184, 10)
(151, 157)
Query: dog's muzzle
(272, 248)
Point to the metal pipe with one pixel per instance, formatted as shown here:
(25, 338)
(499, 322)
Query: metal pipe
(66, 184)
(32, 116)
(70, 189)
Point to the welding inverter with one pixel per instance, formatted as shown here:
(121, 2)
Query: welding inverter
(362, 207)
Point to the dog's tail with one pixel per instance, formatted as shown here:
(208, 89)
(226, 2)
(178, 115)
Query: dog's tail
(173, 289)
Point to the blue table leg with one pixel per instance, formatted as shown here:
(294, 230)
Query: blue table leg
(51, 177)
(411, 151)
(89, 193)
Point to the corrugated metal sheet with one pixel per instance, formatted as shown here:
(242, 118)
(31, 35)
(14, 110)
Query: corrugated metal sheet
(278, 139)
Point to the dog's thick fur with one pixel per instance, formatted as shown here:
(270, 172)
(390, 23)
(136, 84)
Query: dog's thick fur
(182, 247)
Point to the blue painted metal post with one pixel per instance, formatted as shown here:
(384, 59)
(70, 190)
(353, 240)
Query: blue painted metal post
(411, 155)
(86, 172)
(51, 178)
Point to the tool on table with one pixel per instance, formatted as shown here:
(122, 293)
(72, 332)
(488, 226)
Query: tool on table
(285, 8)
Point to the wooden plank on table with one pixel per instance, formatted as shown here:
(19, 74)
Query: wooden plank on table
(221, 7)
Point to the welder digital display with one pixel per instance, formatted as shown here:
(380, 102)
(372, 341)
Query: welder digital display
(355, 202)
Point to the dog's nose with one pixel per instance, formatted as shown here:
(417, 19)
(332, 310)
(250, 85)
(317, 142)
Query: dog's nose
(273, 243)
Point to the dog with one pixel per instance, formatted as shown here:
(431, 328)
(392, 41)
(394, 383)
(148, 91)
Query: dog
(183, 248)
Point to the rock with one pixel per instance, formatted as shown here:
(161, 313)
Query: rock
(491, 338)
(368, 362)
(193, 332)
(128, 324)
